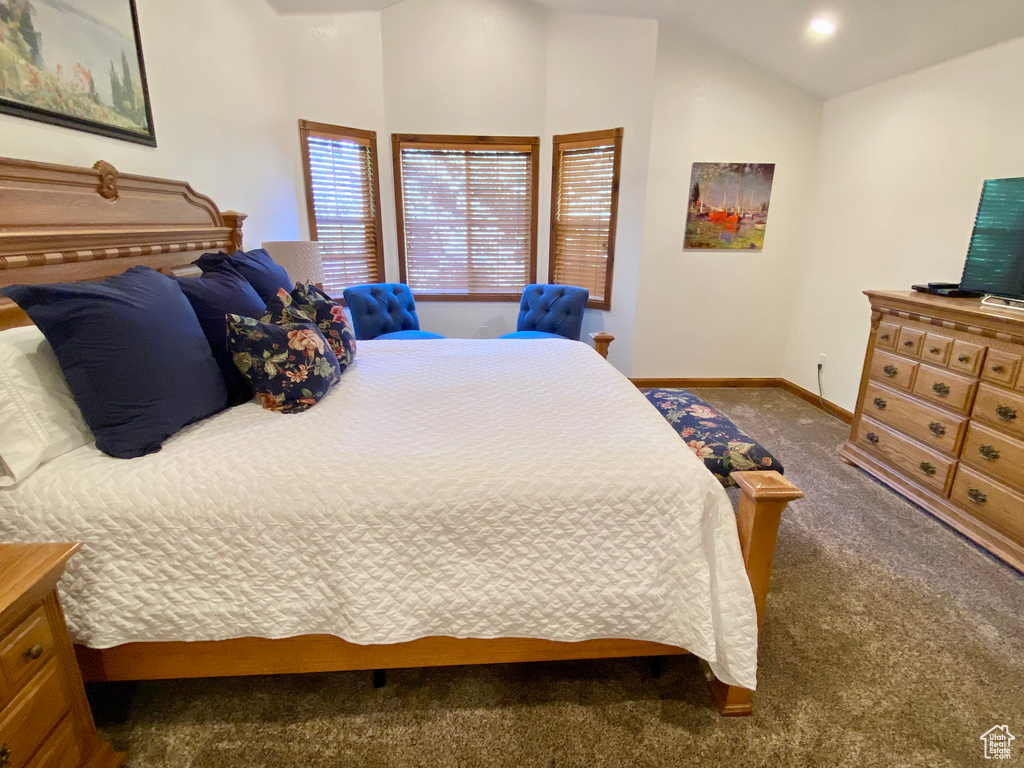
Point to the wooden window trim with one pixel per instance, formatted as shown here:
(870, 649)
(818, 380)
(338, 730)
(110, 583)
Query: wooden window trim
(359, 136)
(583, 141)
(447, 141)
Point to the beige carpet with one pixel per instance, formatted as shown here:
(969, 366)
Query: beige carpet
(889, 641)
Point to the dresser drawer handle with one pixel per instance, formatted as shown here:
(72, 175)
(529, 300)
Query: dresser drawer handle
(936, 429)
(871, 437)
(880, 403)
(891, 371)
(933, 350)
(963, 358)
(908, 343)
(885, 337)
(997, 368)
(5, 756)
(940, 389)
(976, 496)
(988, 452)
(927, 468)
(1006, 413)
(35, 651)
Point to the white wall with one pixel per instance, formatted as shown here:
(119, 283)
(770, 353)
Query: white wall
(216, 88)
(333, 73)
(899, 176)
(720, 313)
(587, 90)
(473, 67)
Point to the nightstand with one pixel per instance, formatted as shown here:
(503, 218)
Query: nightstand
(45, 720)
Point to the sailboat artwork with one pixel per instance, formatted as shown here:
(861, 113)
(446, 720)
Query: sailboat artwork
(728, 205)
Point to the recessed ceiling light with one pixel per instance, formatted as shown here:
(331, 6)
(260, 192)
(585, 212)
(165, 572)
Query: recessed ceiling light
(823, 27)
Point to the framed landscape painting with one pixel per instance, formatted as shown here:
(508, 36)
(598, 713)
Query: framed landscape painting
(75, 63)
(728, 205)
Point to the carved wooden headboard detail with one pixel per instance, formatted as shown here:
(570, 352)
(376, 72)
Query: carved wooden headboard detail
(60, 223)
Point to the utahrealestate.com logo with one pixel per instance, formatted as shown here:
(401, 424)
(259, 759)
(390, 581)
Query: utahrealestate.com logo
(997, 742)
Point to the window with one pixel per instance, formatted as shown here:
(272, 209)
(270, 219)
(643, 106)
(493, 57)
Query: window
(467, 215)
(343, 202)
(584, 204)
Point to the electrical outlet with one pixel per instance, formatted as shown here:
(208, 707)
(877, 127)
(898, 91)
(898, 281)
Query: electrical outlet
(483, 331)
(821, 361)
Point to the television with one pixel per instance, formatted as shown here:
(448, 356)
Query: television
(995, 258)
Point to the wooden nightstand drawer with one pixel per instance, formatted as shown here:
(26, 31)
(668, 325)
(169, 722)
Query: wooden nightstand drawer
(28, 720)
(917, 463)
(948, 389)
(887, 333)
(936, 349)
(930, 425)
(1001, 367)
(966, 357)
(992, 501)
(1000, 409)
(910, 342)
(894, 371)
(26, 649)
(60, 750)
(995, 454)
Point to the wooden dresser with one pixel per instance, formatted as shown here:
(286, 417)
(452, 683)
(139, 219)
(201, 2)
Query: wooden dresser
(940, 414)
(45, 720)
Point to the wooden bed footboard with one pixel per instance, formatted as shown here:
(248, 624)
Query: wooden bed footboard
(764, 495)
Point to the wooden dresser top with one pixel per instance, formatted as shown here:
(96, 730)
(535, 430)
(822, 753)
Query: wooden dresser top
(969, 312)
(25, 566)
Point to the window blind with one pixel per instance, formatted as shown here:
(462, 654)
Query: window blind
(343, 198)
(467, 210)
(584, 202)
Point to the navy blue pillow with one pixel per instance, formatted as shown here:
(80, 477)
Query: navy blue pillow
(263, 273)
(133, 354)
(220, 292)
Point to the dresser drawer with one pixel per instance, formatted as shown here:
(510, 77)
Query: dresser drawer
(936, 349)
(966, 357)
(921, 465)
(1001, 367)
(894, 371)
(932, 426)
(1000, 409)
(910, 341)
(948, 389)
(28, 720)
(61, 750)
(991, 501)
(26, 649)
(886, 336)
(995, 454)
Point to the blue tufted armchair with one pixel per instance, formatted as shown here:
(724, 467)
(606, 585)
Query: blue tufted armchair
(385, 311)
(550, 312)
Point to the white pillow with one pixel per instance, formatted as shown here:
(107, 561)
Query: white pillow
(39, 419)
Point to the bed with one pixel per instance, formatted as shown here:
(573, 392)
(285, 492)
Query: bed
(453, 501)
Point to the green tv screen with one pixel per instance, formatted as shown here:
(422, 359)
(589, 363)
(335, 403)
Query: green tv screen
(995, 259)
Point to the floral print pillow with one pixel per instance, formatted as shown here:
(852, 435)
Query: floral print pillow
(308, 304)
(290, 367)
(710, 435)
(329, 317)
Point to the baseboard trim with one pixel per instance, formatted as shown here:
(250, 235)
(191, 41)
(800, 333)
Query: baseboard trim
(784, 384)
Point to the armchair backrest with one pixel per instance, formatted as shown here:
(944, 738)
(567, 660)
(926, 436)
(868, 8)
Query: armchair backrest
(381, 308)
(553, 309)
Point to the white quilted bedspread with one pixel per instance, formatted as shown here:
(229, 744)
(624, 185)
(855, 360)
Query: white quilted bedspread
(472, 488)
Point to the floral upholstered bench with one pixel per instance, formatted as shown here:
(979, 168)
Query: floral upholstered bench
(710, 435)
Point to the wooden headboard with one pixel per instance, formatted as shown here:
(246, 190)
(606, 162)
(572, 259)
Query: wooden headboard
(59, 223)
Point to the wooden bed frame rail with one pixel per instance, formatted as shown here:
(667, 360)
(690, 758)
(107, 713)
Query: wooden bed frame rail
(62, 223)
(763, 497)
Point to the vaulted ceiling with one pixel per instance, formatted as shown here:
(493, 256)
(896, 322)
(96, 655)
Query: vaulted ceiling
(876, 39)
